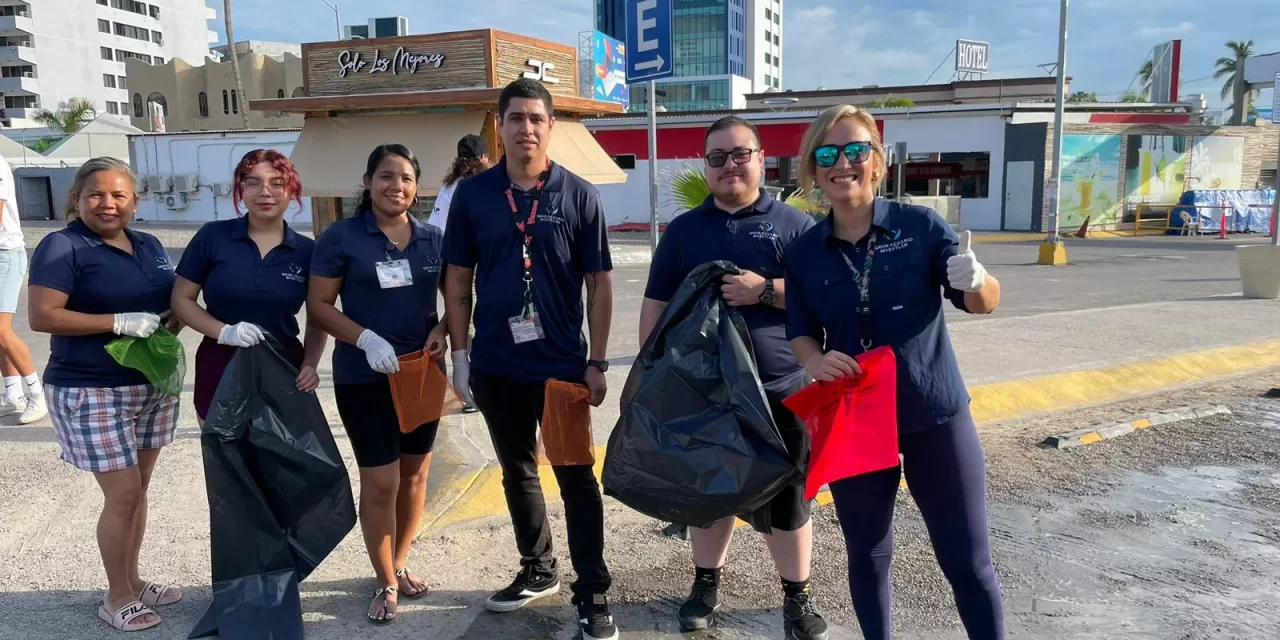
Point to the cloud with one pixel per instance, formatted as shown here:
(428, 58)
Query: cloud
(820, 12)
(1181, 28)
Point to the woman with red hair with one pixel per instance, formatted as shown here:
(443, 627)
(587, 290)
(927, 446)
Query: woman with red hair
(253, 270)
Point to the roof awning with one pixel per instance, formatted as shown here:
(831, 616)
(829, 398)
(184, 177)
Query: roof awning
(331, 152)
(574, 148)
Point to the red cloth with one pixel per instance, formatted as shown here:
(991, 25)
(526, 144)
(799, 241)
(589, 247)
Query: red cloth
(853, 422)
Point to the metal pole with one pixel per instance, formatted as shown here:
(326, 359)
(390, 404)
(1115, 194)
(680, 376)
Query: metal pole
(1275, 203)
(337, 16)
(1058, 110)
(653, 167)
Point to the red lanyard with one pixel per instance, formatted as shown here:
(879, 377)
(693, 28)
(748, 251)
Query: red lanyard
(525, 227)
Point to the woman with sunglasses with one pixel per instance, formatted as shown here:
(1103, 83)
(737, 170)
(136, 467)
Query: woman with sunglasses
(875, 273)
(253, 272)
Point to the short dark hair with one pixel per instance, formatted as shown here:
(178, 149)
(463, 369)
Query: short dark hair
(524, 88)
(729, 122)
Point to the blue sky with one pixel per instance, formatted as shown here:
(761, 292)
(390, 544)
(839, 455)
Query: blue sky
(853, 43)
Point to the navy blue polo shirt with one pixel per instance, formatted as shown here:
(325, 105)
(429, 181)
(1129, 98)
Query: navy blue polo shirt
(569, 241)
(240, 285)
(99, 279)
(403, 316)
(755, 239)
(908, 284)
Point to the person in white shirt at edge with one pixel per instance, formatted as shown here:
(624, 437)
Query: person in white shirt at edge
(473, 157)
(23, 392)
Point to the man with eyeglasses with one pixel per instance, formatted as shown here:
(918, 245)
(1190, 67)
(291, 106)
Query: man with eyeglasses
(740, 223)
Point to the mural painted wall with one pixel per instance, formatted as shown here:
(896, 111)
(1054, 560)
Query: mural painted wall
(1090, 180)
(1155, 169)
(1216, 162)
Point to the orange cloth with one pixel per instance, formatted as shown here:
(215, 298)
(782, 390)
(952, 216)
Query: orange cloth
(566, 436)
(421, 391)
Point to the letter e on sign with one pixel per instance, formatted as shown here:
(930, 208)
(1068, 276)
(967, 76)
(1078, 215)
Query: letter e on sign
(541, 71)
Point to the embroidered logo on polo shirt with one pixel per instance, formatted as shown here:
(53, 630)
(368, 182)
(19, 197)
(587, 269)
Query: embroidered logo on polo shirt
(764, 231)
(896, 242)
(293, 273)
(551, 214)
(162, 262)
(432, 265)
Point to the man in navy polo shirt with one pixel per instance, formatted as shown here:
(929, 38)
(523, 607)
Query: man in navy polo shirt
(742, 224)
(530, 234)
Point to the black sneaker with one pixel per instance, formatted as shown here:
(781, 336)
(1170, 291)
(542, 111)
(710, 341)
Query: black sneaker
(529, 585)
(699, 611)
(800, 621)
(595, 621)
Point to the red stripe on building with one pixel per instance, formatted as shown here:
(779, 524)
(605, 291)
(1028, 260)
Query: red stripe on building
(1177, 69)
(1139, 118)
(778, 140)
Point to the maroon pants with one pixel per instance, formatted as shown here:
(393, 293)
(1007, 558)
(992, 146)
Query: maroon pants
(211, 362)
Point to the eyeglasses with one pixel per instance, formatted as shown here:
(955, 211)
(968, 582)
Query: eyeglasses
(741, 155)
(828, 154)
(256, 186)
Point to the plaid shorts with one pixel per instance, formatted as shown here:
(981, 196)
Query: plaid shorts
(101, 429)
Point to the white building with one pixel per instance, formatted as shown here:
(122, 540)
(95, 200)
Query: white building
(764, 44)
(54, 51)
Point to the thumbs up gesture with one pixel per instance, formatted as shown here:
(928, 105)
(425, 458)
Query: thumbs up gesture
(964, 272)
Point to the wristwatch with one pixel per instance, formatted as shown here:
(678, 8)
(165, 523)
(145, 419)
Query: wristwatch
(602, 365)
(768, 298)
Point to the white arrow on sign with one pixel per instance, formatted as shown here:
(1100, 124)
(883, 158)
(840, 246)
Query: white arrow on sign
(654, 65)
(646, 24)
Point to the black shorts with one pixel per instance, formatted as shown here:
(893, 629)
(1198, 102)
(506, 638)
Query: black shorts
(788, 510)
(369, 418)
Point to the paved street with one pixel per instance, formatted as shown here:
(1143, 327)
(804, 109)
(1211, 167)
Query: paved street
(1125, 539)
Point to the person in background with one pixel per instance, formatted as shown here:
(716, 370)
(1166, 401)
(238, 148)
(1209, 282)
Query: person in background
(253, 272)
(23, 392)
(875, 273)
(92, 282)
(473, 157)
(530, 234)
(385, 265)
(740, 223)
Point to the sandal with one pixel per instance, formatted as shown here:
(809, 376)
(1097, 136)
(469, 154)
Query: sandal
(153, 595)
(386, 608)
(122, 619)
(405, 574)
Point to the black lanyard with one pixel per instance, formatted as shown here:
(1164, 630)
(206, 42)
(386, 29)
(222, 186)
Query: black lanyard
(525, 227)
(863, 279)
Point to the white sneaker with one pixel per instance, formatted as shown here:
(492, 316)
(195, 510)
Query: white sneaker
(34, 411)
(10, 407)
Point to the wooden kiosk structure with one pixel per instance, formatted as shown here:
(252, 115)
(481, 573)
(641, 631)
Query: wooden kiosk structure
(426, 92)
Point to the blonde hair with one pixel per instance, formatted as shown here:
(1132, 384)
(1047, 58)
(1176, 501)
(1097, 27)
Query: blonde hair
(818, 131)
(71, 211)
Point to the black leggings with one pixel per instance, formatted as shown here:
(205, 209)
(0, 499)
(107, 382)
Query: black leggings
(946, 475)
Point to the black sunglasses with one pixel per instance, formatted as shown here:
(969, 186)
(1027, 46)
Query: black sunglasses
(741, 155)
(828, 154)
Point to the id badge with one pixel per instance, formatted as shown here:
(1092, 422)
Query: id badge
(394, 274)
(526, 327)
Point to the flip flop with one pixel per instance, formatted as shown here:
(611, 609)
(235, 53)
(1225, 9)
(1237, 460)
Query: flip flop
(122, 619)
(404, 573)
(153, 595)
(382, 593)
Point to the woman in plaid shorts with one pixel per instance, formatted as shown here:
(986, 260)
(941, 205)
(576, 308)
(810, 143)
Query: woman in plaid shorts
(91, 282)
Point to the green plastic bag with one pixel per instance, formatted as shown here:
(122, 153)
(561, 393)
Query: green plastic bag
(160, 358)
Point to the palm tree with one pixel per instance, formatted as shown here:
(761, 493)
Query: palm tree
(891, 102)
(1134, 96)
(1083, 96)
(1145, 74)
(1233, 70)
(235, 65)
(75, 116)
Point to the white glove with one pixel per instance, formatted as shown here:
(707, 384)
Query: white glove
(964, 271)
(381, 356)
(241, 334)
(138, 325)
(462, 376)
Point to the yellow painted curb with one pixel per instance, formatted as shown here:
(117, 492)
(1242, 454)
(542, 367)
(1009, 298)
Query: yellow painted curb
(480, 495)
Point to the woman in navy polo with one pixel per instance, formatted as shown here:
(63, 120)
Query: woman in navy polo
(385, 265)
(90, 283)
(875, 272)
(253, 271)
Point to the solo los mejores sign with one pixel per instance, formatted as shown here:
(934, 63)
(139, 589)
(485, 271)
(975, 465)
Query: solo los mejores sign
(401, 60)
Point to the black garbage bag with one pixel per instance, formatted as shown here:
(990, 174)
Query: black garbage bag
(279, 496)
(695, 441)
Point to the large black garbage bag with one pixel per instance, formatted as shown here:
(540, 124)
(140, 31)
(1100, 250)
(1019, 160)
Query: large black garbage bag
(695, 441)
(279, 496)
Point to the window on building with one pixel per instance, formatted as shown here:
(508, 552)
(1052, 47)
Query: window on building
(133, 6)
(106, 53)
(768, 14)
(768, 80)
(203, 101)
(108, 81)
(280, 93)
(235, 102)
(113, 108)
(970, 171)
(767, 59)
(625, 161)
(122, 82)
(21, 102)
(102, 2)
(157, 37)
(226, 103)
(155, 12)
(159, 60)
(137, 105)
(122, 55)
(776, 83)
(104, 26)
(767, 37)
(130, 31)
(18, 71)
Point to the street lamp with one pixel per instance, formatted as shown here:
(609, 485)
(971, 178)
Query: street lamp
(1052, 250)
(337, 17)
